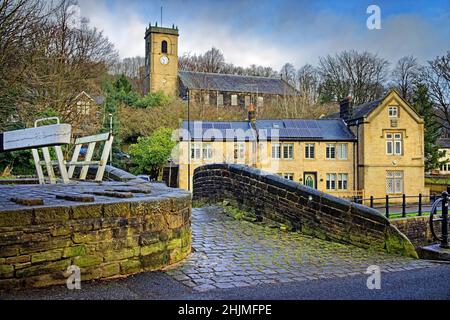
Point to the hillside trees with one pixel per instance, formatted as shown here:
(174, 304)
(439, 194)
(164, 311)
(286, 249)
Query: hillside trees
(424, 106)
(49, 60)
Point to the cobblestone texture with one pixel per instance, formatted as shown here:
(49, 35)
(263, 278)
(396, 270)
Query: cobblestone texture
(230, 253)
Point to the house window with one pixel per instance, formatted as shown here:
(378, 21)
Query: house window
(196, 151)
(239, 151)
(394, 182)
(342, 181)
(206, 99)
(234, 101)
(331, 151)
(276, 151)
(309, 151)
(220, 100)
(260, 102)
(342, 151)
(288, 151)
(445, 167)
(289, 176)
(164, 46)
(394, 144)
(331, 181)
(393, 112)
(247, 101)
(207, 151)
(83, 107)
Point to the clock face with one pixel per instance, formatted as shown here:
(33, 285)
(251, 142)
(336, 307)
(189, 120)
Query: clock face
(164, 60)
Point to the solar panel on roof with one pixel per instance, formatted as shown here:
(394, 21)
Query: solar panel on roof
(222, 126)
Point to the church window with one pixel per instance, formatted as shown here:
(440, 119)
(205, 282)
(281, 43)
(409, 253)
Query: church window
(164, 46)
(234, 101)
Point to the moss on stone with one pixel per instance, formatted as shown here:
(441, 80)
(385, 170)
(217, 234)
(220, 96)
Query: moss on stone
(87, 261)
(74, 251)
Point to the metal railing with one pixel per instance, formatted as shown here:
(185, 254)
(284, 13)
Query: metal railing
(402, 205)
(440, 234)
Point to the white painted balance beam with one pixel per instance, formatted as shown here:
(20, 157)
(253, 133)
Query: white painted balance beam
(38, 137)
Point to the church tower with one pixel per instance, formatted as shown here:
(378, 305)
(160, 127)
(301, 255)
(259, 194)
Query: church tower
(161, 59)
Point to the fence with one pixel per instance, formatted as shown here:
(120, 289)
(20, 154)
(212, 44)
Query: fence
(409, 205)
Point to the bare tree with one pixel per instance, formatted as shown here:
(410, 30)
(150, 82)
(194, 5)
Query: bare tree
(436, 75)
(57, 61)
(287, 73)
(214, 61)
(361, 74)
(308, 83)
(405, 75)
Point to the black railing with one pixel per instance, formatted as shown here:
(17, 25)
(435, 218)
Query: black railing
(401, 205)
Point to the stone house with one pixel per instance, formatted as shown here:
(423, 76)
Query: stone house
(374, 149)
(211, 89)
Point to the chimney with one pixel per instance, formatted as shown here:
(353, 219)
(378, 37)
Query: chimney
(252, 114)
(346, 109)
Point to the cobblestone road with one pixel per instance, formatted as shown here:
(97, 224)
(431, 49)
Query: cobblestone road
(230, 253)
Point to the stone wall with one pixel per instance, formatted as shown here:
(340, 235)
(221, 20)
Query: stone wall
(38, 244)
(299, 207)
(417, 229)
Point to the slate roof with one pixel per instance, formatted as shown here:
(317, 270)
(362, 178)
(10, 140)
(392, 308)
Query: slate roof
(359, 111)
(444, 143)
(234, 83)
(281, 129)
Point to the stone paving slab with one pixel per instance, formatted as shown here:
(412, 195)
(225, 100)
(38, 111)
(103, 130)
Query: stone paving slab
(73, 193)
(230, 253)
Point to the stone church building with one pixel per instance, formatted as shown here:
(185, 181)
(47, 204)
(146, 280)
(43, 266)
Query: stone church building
(211, 89)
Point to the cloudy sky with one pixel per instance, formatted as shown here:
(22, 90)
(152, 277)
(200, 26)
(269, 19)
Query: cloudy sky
(273, 32)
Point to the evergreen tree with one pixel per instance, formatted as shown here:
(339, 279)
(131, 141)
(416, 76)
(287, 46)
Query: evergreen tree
(422, 103)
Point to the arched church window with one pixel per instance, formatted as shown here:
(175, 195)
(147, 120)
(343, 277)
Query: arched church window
(164, 46)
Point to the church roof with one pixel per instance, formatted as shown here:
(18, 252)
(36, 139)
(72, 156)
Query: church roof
(269, 129)
(235, 83)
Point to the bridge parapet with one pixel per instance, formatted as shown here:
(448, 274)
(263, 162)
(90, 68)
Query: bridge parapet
(299, 207)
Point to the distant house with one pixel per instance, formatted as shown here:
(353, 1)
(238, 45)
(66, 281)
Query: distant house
(87, 114)
(444, 145)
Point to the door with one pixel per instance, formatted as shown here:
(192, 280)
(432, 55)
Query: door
(310, 179)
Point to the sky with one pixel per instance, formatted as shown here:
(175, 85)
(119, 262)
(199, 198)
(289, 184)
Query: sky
(274, 32)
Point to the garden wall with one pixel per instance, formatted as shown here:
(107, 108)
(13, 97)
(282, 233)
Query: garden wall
(104, 239)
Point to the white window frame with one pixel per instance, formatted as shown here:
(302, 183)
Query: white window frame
(342, 183)
(394, 142)
(310, 152)
(290, 151)
(276, 151)
(207, 151)
(196, 151)
(341, 147)
(234, 100)
(206, 98)
(393, 112)
(394, 182)
(329, 147)
(289, 176)
(330, 183)
(260, 102)
(220, 100)
(239, 151)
